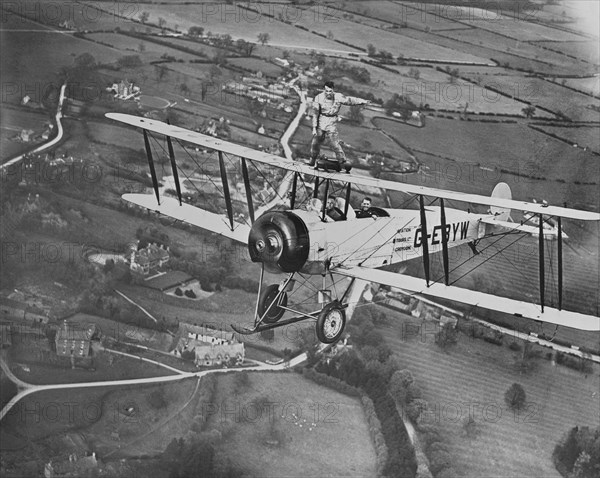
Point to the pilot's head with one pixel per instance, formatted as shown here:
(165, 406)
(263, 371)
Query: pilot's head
(331, 200)
(365, 204)
(329, 89)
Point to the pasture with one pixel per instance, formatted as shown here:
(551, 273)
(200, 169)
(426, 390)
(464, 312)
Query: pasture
(147, 50)
(583, 136)
(100, 412)
(498, 42)
(586, 85)
(279, 423)
(547, 94)
(240, 23)
(476, 155)
(415, 15)
(13, 121)
(345, 31)
(471, 378)
(28, 62)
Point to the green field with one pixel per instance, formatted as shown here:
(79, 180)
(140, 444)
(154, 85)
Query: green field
(499, 42)
(239, 23)
(465, 147)
(302, 426)
(583, 137)
(472, 378)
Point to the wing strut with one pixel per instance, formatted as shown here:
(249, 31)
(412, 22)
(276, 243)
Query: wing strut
(424, 239)
(316, 188)
(248, 190)
(560, 263)
(445, 235)
(174, 168)
(347, 205)
(226, 189)
(541, 252)
(325, 200)
(151, 164)
(293, 193)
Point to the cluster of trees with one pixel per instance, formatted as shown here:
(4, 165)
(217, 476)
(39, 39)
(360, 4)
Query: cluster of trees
(338, 68)
(370, 370)
(578, 453)
(195, 457)
(380, 54)
(226, 41)
(371, 378)
(401, 104)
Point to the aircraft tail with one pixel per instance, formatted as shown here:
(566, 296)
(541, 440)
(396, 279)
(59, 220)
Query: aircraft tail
(502, 190)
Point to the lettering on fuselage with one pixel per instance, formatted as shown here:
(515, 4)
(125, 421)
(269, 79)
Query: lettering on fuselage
(455, 231)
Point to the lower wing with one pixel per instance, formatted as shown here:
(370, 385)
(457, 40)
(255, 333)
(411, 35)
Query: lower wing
(488, 301)
(210, 221)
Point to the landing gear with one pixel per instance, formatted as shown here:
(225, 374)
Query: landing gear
(273, 310)
(331, 322)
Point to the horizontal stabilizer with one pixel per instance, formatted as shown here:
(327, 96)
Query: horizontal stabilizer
(526, 228)
(487, 301)
(192, 215)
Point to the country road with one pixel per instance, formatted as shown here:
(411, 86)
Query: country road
(53, 141)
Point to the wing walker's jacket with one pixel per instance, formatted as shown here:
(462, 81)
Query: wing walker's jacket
(325, 115)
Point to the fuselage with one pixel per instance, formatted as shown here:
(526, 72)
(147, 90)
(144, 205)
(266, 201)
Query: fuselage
(370, 242)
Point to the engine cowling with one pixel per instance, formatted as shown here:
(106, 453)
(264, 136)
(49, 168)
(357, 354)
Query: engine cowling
(280, 240)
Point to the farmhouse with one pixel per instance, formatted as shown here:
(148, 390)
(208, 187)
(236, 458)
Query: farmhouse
(72, 340)
(210, 346)
(150, 257)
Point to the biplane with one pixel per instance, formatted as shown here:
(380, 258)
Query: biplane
(301, 241)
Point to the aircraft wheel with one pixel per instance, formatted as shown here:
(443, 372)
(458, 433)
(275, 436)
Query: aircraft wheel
(268, 295)
(331, 322)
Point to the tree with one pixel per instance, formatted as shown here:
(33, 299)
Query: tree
(161, 71)
(577, 455)
(528, 111)
(263, 38)
(195, 31)
(356, 114)
(144, 16)
(515, 396)
(414, 73)
(214, 72)
(399, 384)
(447, 336)
(161, 22)
(245, 47)
(142, 47)
(85, 60)
(371, 51)
(184, 88)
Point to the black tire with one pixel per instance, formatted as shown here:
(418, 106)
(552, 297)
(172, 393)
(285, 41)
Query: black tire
(267, 296)
(331, 323)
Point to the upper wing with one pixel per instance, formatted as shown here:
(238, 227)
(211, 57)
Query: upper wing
(192, 215)
(466, 296)
(266, 158)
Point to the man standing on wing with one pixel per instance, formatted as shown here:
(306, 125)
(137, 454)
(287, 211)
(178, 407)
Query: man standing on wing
(326, 107)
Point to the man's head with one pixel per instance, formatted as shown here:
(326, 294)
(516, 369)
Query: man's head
(365, 204)
(331, 200)
(328, 88)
